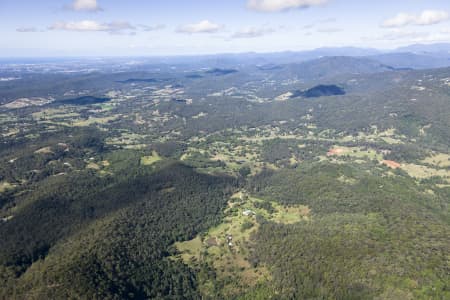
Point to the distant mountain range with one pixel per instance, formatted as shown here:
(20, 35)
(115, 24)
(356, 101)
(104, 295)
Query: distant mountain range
(411, 57)
(325, 69)
(429, 48)
(418, 56)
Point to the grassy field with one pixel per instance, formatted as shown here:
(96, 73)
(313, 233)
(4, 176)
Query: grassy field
(66, 116)
(423, 172)
(225, 247)
(355, 152)
(55, 113)
(93, 166)
(246, 148)
(290, 215)
(440, 160)
(107, 106)
(95, 120)
(190, 250)
(150, 159)
(4, 186)
(44, 150)
(126, 139)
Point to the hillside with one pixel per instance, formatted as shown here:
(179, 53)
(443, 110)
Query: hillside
(410, 60)
(319, 91)
(328, 67)
(324, 179)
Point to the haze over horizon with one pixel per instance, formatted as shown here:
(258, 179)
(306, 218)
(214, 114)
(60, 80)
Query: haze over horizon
(175, 27)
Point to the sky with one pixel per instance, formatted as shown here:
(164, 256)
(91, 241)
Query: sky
(188, 27)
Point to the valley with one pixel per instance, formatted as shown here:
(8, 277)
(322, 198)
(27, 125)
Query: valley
(327, 178)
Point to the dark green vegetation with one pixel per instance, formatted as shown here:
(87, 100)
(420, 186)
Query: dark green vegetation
(220, 72)
(127, 185)
(86, 100)
(372, 236)
(319, 91)
(137, 80)
(88, 228)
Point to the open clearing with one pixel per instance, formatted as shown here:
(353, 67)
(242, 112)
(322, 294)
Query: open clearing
(44, 150)
(226, 246)
(4, 186)
(93, 166)
(54, 113)
(423, 172)
(93, 120)
(440, 160)
(355, 152)
(391, 164)
(151, 159)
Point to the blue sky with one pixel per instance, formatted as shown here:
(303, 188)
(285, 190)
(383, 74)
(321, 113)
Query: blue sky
(174, 27)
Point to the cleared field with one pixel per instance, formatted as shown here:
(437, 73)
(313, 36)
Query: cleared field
(7, 118)
(422, 172)
(225, 247)
(191, 249)
(95, 120)
(70, 117)
(107, 106)
(151, 159)
(290, 215)
(391, 164)
(93, 166)
(355, 152)
(11, 132)
(388, 136)
(53, 113)
(233, 155)
(440, 160)
(126, 139)
(4, 186)
(271, 136)
(44, 150)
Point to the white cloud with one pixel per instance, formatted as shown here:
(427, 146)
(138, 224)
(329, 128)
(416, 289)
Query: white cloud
(85, 5)
(204, 26)
(426, 17)
(281, 5)
(115, 27)
(430, 17)
(252, 32)
(27, 29)
(152, 27)
(85, 25)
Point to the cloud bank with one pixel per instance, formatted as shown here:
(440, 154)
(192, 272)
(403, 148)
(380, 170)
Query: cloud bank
(281, 5)
(114, 27)
(152, 27)
(426, 17)
(204, 26)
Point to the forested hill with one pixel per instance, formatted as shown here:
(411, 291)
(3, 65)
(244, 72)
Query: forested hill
(76, 231)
